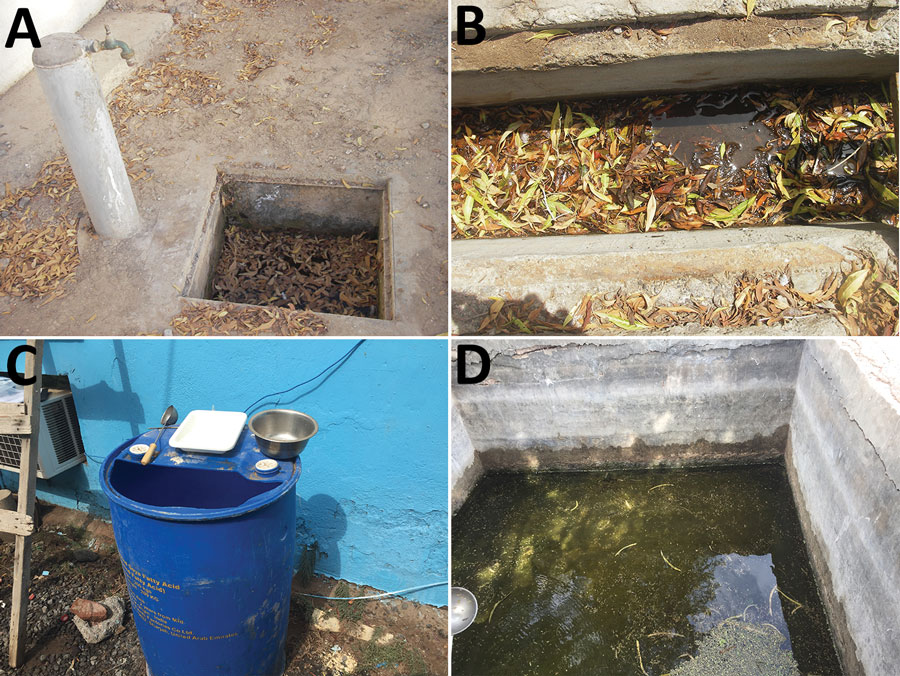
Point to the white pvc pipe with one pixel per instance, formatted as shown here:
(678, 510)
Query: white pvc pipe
(82, 119)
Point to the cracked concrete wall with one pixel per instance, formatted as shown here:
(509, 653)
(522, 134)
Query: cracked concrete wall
(844, 465)
(505, 16)
(624, 403)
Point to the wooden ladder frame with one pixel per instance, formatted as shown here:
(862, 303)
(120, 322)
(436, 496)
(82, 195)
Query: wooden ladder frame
(24, 419)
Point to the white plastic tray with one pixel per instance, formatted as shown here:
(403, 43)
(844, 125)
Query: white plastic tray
(209, 431)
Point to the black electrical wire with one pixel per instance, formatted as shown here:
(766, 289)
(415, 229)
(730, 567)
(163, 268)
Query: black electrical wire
(338, 362)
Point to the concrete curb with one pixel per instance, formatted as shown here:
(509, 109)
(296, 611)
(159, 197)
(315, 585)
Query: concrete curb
(676, 266)
(704, 55)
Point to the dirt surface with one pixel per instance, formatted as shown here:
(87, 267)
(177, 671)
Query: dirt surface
(351, 92)
(56, 648)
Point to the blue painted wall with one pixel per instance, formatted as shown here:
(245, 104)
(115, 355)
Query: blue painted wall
(374, 484)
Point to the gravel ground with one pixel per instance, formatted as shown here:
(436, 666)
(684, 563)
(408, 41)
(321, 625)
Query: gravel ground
(56, 648)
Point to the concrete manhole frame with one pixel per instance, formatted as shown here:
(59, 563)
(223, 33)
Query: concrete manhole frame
(207, 244)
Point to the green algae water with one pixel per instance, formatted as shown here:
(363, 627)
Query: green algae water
(680, 572)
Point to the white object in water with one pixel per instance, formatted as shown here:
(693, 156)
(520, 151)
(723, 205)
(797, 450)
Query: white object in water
(209, 431)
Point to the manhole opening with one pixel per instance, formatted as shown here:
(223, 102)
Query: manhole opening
(307, 246)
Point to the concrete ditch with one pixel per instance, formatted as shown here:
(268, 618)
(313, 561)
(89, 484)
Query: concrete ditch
(708, 48)
(829, 409)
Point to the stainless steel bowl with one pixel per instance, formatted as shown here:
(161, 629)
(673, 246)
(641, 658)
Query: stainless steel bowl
(463, 609)
(281, 433)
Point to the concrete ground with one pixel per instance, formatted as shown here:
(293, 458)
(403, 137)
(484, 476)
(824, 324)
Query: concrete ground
(677, 267)
(282, 90)
(390, 637)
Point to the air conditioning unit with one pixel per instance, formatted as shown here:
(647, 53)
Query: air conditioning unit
(59, 442)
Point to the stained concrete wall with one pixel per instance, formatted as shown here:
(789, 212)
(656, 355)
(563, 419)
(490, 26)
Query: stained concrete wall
(373, 493)
(59, 16)
(639, 402)
(505, 16)
(844, 464)
(465, 466)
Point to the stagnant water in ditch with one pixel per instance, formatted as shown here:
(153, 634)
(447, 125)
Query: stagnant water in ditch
(680, 572)
(745, 156)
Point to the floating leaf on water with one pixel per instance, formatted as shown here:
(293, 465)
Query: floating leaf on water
(884, 194)
(669, 562)
(878, 109)
(862, 119)
(633, 544)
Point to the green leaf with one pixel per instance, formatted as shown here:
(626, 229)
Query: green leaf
(814, 197)
(509, 130)
(798, 203)
(879, 111)
(891, 291)
(622, 323)
(750, 5)
(851, 285)
(720, 215)
(862, 119)
(522, 326)
(779, 181)
(739, 209)
(885, 195)
(503, 220)
(587, 119)
(550, 34)
(554, 128)
(587, 133)
(526, 197)
(467, 208)
(792, 149)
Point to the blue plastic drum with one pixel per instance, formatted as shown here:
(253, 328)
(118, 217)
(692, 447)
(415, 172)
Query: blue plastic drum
(207, 546)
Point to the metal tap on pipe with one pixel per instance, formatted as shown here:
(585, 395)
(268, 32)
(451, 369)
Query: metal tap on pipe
(82, 119)
(127, 52)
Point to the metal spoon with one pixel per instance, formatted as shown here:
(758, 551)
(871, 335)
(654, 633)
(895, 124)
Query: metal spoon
(170, 417)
